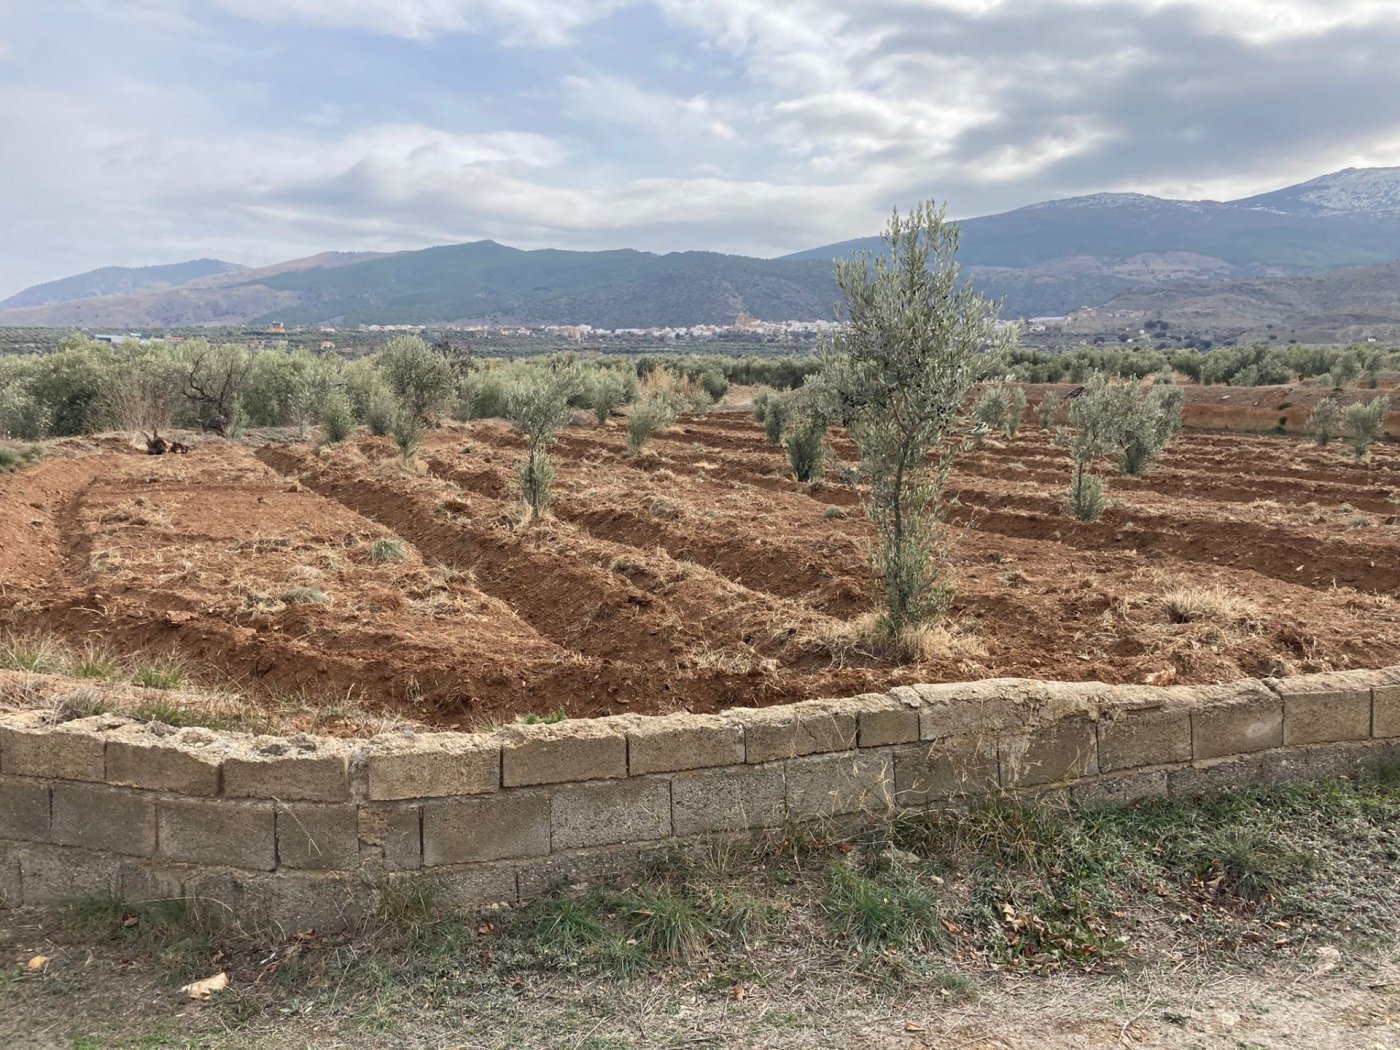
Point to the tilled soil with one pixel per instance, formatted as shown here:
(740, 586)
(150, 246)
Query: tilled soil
(695, 576)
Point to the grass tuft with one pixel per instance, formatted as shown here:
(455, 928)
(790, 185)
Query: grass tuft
(388, 550)
(306, 596)
(161, 674)
(873, 914)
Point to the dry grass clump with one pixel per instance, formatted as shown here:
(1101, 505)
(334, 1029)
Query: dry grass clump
(136, 513)
(865, 638)
(1202, 603)
(306, 596)
(737, 659)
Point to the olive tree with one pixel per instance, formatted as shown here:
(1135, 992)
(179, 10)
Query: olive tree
(423, 384)
(1365, 421)
(538, 404)
(1323, 422)
(899, 371)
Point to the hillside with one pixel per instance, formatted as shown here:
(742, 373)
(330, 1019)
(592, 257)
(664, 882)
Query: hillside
(1342, 305)
(486, 281)
(1345, 219)
(1049, 258)
(116, 280)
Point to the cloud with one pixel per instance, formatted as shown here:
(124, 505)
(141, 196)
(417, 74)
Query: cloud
(262, 129)
(549, 23)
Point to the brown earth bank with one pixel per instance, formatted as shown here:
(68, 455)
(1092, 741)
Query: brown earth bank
(695, 576)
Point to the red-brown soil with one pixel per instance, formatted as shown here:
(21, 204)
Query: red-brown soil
(694, 576)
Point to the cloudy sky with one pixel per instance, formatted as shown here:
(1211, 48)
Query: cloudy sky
(135, 132)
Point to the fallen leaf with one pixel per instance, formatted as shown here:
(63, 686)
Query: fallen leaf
(485, 929)
(39, 962)
(910, 1026)
(129, 920)
(202, 990)
(739, 993)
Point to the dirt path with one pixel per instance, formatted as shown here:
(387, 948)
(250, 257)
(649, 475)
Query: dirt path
(95, 996)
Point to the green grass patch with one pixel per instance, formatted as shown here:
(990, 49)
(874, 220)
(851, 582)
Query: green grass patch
(872, 913)
(167, 673)
(36, 655)
(549, 718)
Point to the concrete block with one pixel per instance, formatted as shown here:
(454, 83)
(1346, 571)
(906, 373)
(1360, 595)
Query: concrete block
(965, 709)
(301, 769)
(1324, 708)
(475, 886)
(1145, 737)
(562, 752)
(391, 836)
(160, 758)
(293, 901)
(105, 818)
(884, 720)
(24, 810)
(1225, 774)
(1236, 719)
(830, 785)
(429, 765)
(944, 769)
(572, 871)
(282, 903)
(1120, 790)
(736, 799)
(233, 834)
(151, 881)
(323, 837)
(1322, 761)
(1385, 711)
(11, 884)
(602, 814)
(32, 747)
(668, 743)
(49, 874)
(792, 730)
(496, 827)
(1065, 750)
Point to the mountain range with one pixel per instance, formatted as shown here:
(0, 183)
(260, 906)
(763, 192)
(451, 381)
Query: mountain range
(1105, 249)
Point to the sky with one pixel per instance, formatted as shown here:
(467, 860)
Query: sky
(137, 132)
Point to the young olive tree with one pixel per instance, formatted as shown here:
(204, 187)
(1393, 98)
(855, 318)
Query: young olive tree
(538, 404)
(806, 436)
(1048, 410)
(423, 384)
(1323, 422)
(899, 372)
(1093, 420)
(1365, 421)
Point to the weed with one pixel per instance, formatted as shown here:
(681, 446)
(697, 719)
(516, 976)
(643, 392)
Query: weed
(872, 914)
(161, 674)
(95, 661)
(1251, 863)
(386, 549)
(558, 715)
(667, 923)
(37, 655)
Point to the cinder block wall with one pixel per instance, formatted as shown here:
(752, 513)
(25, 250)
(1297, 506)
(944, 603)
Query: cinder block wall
(309, 831)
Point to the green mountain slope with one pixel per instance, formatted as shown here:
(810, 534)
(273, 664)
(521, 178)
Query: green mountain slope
(485, 281)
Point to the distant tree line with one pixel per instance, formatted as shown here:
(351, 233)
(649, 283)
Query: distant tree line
(1259, 364)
